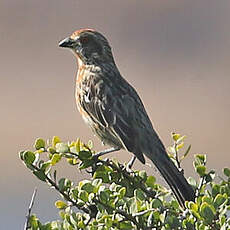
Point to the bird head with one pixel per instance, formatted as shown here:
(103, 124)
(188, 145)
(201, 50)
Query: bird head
(88, 45)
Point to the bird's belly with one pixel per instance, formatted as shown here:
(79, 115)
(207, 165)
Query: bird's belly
(105, 134)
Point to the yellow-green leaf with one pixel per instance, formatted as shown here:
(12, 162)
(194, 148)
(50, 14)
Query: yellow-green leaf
(55, 140)
(175, 136)
(55, 159)
(181, 145)
(60, 204)
(39, 143)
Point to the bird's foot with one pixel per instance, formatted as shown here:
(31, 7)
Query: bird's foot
(130, 163)
(128, 167)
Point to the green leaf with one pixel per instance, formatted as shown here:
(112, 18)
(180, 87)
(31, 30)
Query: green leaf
(68, 183)
(39, 143)
(223, 220)
(104, 196)
(156, 203)
(172, 221)
(207, 212)
(227, 172)
(72, 161)
(97, 182)
(108, 222)
(143, 175)
(175, 136)
(102, 172)
(174, 204)
(219, 200)
(75, 193)
(60, 204)
(207, 199)
(125, 225)
(61, 184)
(122, 192)
(45, 166)
(55, 159)
(62, 148)
(193, 206)
(181, 145)
(215, 189)
(201, 169)
(78, 145)
(151, 181)
(186, 153)
(55, 140)
(86, 185)
(86, 163)
(51, 150)
(83, 195)
(132, 204)
(188, 224)
(139, 194)
(33, 220)
(162, 218)
(28, 157)
(81, 225)
(192, 182)
(200, 158)
(84, 155)
(40, 175)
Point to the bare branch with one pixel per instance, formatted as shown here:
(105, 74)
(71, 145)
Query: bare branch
(26, 226)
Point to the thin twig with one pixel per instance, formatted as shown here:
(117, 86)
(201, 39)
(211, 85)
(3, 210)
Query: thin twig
(149, 193)
(177, 157)
(26, 226)
(84, 209)
(122, 213)
(200, 186)
(104, 152)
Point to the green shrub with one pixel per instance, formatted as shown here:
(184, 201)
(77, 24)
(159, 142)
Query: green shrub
(117, 198)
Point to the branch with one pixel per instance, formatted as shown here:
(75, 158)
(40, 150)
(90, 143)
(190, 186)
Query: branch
(176, 157)
(26, 226)
(122, 213)
(126, 174)
(84, 209)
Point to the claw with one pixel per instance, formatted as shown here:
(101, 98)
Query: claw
(131, 162)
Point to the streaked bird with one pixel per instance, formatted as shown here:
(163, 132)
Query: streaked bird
(115, 112)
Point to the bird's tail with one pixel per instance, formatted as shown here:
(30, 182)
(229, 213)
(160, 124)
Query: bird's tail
(175, 179)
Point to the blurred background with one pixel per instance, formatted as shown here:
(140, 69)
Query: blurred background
(175, 53)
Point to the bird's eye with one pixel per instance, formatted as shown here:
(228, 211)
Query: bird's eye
(84, 40)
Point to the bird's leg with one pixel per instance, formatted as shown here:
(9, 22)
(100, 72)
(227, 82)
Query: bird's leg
(131, 162)
(99, 154)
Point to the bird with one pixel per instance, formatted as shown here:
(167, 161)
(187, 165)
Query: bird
(114, 111)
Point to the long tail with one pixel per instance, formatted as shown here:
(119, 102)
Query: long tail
(175, 179)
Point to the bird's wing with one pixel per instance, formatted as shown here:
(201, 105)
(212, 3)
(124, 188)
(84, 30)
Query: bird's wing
(116, 109)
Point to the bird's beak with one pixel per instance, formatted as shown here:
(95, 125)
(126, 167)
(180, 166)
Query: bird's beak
(66, 43)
